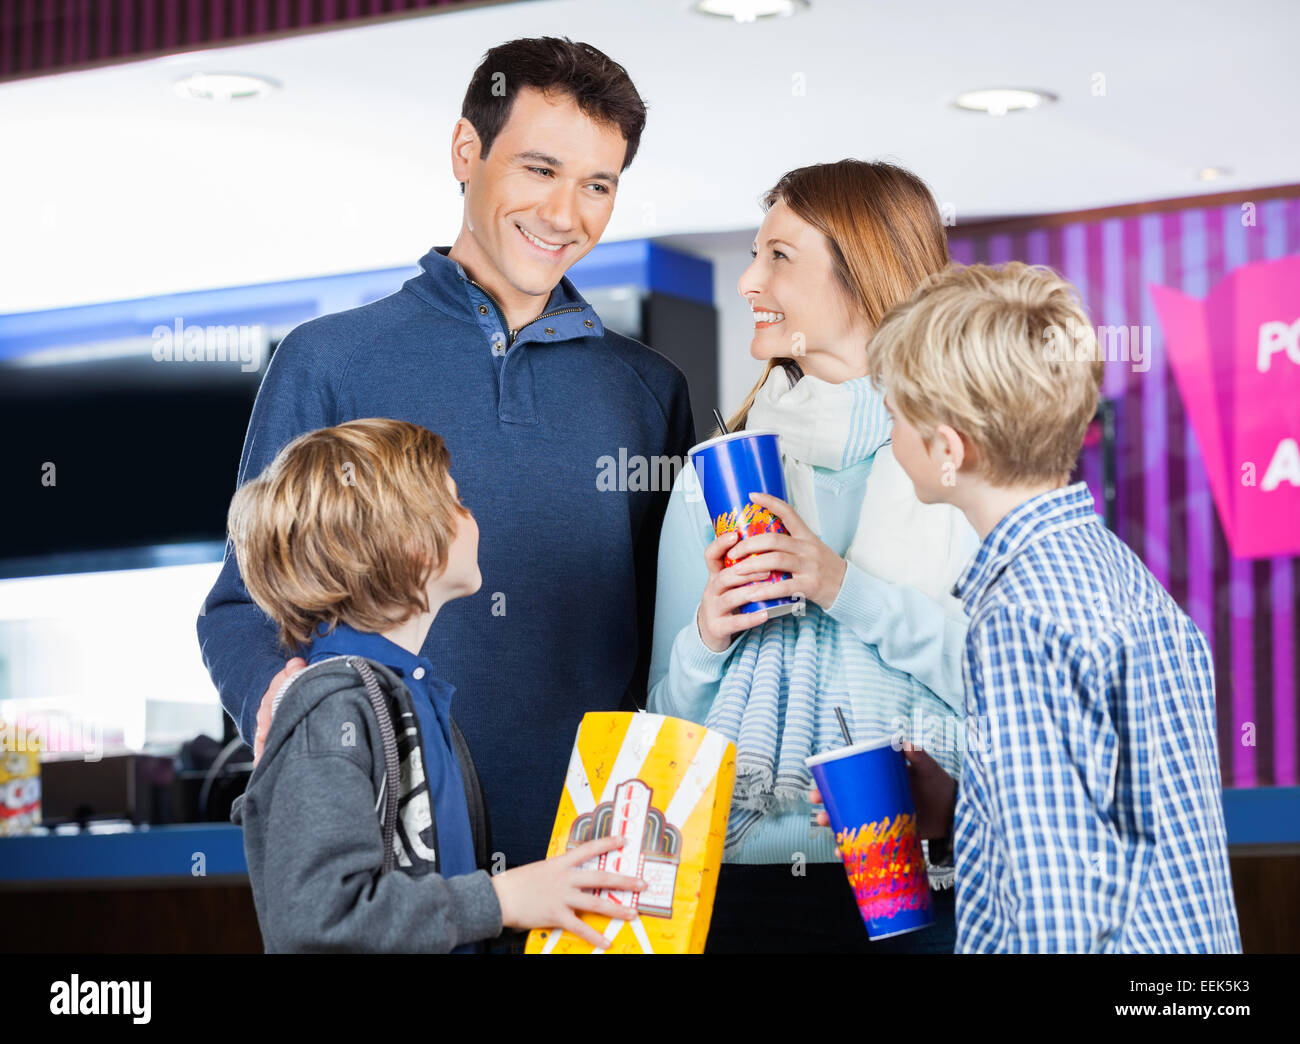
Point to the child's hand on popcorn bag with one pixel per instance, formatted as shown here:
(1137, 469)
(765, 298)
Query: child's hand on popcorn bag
(548, 893)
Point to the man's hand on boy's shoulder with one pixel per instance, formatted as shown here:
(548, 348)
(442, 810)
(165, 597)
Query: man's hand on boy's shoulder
(264, 708)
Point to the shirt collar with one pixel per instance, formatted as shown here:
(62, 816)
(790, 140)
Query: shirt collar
(348, 641)
(449, 278)
(1035, 518)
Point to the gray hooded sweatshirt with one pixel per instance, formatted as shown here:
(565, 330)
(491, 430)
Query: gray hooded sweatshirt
(313, 837)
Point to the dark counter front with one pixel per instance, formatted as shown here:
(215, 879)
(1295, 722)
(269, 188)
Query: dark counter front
(184, 889)
(170, 889)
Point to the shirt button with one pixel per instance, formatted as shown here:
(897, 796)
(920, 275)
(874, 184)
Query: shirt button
(418, 673)
(588, 323)
(482, 309)
(550, 329)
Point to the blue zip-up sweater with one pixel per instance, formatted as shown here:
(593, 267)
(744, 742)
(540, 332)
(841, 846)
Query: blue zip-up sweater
(562, 624)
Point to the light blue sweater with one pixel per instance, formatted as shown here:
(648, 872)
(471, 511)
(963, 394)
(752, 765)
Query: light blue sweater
(891, 646)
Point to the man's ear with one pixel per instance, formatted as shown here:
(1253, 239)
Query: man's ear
(465, 145)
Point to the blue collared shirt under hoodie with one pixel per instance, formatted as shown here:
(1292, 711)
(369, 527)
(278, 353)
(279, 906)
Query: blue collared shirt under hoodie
(432, 698)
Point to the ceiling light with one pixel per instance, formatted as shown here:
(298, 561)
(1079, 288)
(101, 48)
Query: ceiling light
(750, 10)
(1212, 173)
(224, 86)
(998, 101)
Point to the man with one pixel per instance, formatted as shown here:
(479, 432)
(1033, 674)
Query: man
(492, 348)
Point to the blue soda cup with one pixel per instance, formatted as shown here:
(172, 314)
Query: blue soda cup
(869, 800)
(730, 468)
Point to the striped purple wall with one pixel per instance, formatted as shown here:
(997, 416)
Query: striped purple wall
(41, 36)
(1247, 608)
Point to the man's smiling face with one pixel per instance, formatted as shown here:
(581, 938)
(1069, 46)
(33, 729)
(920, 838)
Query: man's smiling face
(542, 198)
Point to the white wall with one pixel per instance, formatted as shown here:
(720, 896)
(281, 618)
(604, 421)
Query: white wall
(729, 253)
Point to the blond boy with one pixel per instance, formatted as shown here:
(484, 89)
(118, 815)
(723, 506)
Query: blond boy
(1093, 819)
(351, 541)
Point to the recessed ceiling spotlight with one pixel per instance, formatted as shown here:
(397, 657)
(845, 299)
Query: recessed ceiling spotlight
(224, 86)
(1212, 173)
(751, 10)
(998, 101)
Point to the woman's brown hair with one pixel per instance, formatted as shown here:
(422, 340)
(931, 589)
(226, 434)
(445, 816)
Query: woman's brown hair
(884, 232)
(345, 526)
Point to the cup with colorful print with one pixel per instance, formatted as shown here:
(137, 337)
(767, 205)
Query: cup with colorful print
(868, 797)
(730, 468)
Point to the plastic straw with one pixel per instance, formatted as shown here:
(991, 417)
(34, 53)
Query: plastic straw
(844, 726)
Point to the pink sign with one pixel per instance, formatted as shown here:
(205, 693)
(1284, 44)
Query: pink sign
(1236, 359)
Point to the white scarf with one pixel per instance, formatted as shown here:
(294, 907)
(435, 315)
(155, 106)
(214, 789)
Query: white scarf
(898, 539)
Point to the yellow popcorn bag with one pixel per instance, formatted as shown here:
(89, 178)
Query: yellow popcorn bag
(20, 780)
(665, 784)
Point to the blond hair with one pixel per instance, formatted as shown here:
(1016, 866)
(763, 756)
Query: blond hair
(1006, 356)
(883, 230)
(346, 525)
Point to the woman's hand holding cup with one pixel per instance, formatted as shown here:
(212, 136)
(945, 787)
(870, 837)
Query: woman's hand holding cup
(798, 551)
(726, 591)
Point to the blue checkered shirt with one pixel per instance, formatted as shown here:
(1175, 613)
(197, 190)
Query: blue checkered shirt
(1089, 815)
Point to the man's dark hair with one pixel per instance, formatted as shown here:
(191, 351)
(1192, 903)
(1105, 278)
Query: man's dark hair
(600, 86)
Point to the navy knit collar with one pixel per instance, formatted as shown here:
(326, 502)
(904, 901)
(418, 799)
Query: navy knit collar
(449, 281)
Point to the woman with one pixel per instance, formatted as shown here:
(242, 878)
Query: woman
(881, 637)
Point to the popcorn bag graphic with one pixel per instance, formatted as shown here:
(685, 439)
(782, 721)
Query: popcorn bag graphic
(20, 780)
(665, 784)
(1236, 359)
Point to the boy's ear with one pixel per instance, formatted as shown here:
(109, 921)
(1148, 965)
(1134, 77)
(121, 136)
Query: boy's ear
(948, 447)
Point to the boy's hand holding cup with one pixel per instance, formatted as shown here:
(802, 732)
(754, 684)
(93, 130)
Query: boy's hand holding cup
(933, 790)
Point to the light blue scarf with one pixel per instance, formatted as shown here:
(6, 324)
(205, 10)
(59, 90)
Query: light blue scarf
(831, 426)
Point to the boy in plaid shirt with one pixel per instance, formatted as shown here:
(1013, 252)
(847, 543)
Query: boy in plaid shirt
(1089, 815)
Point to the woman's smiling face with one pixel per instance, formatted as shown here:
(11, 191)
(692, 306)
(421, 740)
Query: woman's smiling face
(800, 309)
